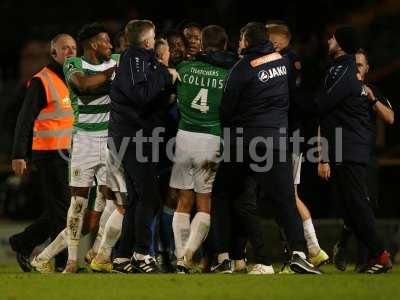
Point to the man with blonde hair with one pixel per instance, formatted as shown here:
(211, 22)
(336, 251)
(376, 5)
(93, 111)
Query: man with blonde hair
(134, 93)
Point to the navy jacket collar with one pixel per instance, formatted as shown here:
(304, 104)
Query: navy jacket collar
(220, 59)
(261, 49)
(147, 53)
(344, 58)
(56, 68)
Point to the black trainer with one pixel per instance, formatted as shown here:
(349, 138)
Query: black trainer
(339, 257)
(224, 268)
(23, 257)
(147, 265)
(122, 267)
(381, 264)
(361, 267)
(302, 266)
(24, 262)
(165, 262)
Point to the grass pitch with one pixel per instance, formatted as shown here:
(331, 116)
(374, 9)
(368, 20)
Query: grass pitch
(15, 285)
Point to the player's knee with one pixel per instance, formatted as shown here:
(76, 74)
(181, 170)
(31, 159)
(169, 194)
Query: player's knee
(203, 202)
(121, 210)
(120, 199)
(185, 201)
(184, 206)
(107, 192)
(79, 191)
(203, 207)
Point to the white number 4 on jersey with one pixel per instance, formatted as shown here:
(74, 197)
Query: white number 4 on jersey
(200, 101)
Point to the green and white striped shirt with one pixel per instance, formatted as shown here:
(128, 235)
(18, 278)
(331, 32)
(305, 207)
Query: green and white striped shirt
(91, 118)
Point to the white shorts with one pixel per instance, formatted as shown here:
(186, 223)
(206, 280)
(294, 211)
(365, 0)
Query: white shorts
(88, 160)
(115, 173)
(297, 160)
(196, 161)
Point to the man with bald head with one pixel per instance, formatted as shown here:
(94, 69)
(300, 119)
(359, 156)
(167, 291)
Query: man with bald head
(43, 135)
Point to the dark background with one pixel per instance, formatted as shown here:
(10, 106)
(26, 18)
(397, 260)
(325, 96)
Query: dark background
(27, 26)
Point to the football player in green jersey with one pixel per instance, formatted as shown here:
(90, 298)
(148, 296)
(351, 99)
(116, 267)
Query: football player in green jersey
(192, 33)
(198, 141)
(88, 78)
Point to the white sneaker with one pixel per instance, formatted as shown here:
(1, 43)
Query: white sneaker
(42, 266)
(260, 269)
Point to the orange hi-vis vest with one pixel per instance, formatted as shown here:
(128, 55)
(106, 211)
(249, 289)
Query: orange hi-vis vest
(52, 129)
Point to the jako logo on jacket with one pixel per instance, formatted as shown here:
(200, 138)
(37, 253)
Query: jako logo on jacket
(265, 75)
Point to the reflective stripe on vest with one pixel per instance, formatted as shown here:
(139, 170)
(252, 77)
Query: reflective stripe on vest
(53, 126)
(50, 133)
(59, 112)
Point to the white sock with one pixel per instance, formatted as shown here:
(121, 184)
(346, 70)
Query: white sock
(120, 260)
(112, 232)
(198, 232)
(222, 257)
(139, 256)
(108, 210)
(55, 247)
(181, 227)
(311, 237)
(301, 254)
(75, 216)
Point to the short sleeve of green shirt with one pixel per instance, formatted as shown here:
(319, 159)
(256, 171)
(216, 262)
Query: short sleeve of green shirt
(72, 65)
(115, 57)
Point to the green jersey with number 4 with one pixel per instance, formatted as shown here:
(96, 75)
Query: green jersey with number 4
(199, 96)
